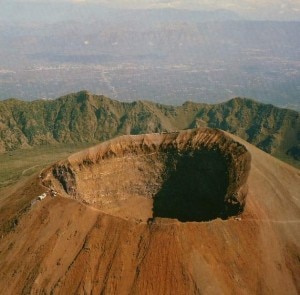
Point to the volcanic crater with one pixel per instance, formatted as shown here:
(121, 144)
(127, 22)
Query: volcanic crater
(192, 175)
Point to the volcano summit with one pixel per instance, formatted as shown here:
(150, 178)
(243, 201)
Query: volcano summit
(197, 211)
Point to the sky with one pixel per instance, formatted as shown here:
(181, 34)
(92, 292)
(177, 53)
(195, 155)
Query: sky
(261, 9)
(238, 5)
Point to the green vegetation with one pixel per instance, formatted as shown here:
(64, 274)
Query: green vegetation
(286, 158)
(18, 164)
(85, 118)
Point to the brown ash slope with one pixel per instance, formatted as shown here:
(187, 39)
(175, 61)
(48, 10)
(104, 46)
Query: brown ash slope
(83, 117)
(74, 243)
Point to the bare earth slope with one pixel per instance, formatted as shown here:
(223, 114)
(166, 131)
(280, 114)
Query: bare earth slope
(100, 234)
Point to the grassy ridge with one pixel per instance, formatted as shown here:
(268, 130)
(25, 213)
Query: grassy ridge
(85, 118)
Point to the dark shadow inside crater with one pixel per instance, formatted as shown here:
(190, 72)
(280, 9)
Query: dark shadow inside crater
(195, 187)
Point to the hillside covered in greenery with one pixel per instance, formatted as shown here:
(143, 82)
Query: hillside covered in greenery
(82, 117)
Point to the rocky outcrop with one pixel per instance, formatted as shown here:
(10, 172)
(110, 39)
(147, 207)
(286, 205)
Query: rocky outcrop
(66, 177)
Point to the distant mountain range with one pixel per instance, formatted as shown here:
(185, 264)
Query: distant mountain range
(84, 117)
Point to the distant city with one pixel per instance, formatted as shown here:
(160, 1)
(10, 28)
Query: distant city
(168, 59)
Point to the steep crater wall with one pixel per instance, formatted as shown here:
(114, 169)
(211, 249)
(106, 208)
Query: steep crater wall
(192, 175)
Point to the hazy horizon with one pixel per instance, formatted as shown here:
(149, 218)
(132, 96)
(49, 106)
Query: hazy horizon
(288, 10)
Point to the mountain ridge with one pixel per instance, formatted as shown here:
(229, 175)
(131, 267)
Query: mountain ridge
(68, 118)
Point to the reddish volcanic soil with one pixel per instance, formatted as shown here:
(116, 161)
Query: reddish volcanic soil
(194, 212)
